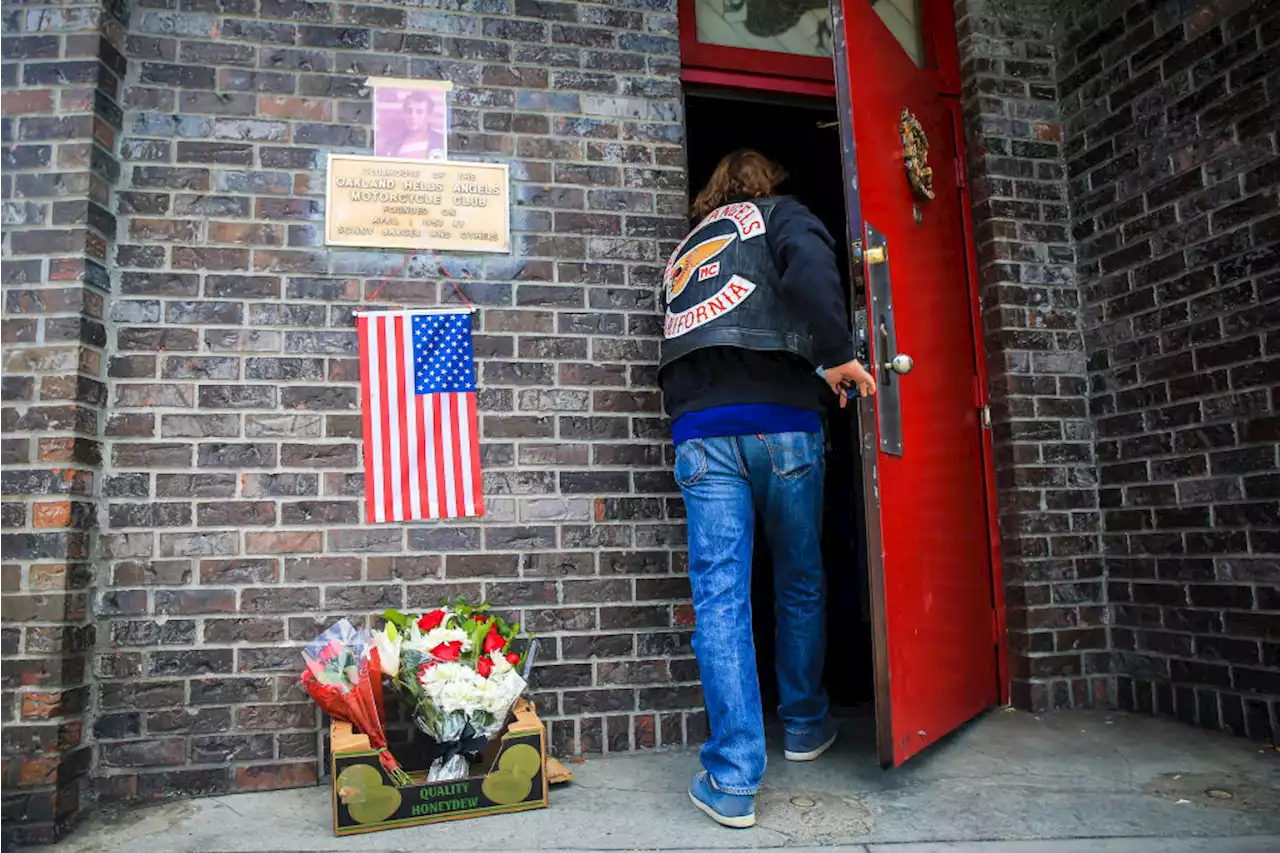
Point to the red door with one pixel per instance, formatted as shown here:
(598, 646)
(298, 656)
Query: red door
(924, 467)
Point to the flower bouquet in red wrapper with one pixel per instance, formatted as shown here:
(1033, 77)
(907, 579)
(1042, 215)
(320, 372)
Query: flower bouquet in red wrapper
(456, 668)
(344, 676)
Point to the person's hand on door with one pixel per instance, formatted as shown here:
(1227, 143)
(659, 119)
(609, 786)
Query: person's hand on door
(849, 375)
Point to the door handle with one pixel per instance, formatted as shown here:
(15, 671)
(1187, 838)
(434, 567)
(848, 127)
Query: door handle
(901, 364)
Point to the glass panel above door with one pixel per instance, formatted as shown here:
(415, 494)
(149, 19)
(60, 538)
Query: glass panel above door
(800, 27)
(902, 17)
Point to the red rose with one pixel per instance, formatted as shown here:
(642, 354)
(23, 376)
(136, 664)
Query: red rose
(494, 641)
(513, 658)
(431, 620)
(448, 651)
(484, 666)
(422, 670)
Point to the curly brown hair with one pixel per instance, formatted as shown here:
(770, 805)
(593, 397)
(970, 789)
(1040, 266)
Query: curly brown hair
(743, 174)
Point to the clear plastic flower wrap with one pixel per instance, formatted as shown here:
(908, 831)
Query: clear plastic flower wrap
(343, 675)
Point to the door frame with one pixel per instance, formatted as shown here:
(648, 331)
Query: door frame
(756, 70)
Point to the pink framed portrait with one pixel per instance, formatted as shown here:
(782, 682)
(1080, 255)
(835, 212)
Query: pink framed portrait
(411, 121)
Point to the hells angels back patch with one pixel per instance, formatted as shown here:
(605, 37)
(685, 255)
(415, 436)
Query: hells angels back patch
(748, 222)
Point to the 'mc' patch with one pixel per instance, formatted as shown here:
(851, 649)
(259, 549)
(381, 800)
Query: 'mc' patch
(725, 300)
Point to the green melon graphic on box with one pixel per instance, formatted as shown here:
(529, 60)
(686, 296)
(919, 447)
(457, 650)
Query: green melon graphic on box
(513, 780)
(369, 801)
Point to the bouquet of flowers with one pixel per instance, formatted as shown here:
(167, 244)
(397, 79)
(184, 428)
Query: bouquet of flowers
(343, 675)
(456, 668)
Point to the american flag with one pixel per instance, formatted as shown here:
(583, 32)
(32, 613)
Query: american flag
(418, 391)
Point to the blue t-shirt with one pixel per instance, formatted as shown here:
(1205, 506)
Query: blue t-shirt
(744, 419)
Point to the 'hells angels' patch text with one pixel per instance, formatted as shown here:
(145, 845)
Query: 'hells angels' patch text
(725, 300)
(744, 215)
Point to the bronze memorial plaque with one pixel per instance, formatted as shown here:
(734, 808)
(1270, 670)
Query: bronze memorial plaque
(393, 203)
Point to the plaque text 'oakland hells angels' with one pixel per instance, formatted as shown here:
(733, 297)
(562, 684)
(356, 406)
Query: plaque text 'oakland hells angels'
(390, 203)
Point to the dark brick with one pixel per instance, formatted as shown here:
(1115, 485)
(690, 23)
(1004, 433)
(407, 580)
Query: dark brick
(229, 455)
(243, 630)
(154, 752)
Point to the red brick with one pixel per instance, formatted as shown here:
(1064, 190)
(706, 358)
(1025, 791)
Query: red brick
(299, 542)
(273, 777)
(40, 770)
(315, 109)
(41, 706)
(52, 514)
(30, 102)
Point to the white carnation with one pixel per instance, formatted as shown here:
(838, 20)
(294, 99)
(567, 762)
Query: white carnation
(456, 687)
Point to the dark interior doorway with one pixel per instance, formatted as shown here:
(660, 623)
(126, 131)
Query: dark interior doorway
(802, 136)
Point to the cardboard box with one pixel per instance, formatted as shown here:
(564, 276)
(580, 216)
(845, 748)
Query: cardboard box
(509, 777)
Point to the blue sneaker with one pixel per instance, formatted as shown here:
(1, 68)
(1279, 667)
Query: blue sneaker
(734, 810)
(809, 745)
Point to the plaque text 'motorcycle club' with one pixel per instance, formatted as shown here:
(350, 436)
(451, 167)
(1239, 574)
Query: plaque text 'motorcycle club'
(390, 203)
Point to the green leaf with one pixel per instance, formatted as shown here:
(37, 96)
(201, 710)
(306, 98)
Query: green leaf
(396, 618)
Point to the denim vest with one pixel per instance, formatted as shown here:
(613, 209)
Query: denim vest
(721, 288)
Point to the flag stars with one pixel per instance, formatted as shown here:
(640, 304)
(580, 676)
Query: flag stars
(443, 357)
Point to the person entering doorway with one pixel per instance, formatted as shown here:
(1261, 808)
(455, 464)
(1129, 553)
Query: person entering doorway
(755, 314)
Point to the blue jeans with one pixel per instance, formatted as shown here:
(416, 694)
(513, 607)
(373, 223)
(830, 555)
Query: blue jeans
(726, 482)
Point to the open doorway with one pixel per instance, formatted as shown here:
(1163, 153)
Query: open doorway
(801, 135)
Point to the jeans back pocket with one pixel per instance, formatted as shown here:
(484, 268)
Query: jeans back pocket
(793, 454)
(691, 462)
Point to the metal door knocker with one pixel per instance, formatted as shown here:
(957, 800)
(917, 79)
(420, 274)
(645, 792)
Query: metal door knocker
(915, 155)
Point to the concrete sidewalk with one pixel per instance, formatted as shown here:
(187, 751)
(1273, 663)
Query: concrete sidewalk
(1009, 782)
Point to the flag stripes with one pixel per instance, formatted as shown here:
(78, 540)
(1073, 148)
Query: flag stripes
(421, 448)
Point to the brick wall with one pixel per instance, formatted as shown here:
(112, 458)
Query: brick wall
(62, 76)
(1045, 470)
(1124, 171)
(182, 455)
(1169, 116)
(231, 511)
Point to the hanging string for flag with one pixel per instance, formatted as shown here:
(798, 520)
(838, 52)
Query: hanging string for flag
(439, 266)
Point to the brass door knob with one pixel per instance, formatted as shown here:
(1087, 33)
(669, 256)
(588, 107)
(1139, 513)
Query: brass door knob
(902, 364)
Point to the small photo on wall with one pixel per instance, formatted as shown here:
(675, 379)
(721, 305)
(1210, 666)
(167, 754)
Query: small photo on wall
(411, 119)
